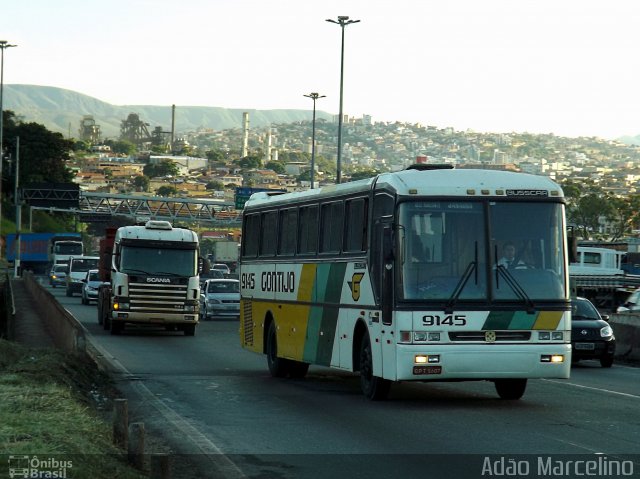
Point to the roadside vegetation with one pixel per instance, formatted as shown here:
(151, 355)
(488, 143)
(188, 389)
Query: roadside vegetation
(52, 404)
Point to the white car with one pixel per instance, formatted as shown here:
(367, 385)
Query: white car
(220, 298)
(221, 267)
(631, 304)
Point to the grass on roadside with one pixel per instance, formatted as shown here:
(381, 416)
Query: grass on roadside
(49, 407)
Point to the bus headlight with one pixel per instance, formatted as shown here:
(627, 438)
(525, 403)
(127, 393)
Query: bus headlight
(552, 358)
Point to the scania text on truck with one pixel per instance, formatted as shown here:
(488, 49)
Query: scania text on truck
(153, 278)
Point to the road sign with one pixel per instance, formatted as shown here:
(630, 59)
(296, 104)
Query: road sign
(244, 193)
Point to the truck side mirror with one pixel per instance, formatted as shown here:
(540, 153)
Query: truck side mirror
(203, 265)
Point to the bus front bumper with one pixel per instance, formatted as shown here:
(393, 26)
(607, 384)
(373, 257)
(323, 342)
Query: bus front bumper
(482, 361)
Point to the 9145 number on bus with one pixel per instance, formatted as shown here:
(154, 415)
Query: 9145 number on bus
(448, 320)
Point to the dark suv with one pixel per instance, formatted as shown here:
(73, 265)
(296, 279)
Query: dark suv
(591, 335)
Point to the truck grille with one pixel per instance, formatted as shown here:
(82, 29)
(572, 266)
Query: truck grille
(167, 298)
(480, 336)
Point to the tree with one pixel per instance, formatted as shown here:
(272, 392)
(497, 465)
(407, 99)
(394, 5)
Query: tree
(43, 154)
(123, 147)
(164, 168)
(276, 166)
(249, 162)
(141, 182)
(167, 190)
(215, 185)
(215, 155)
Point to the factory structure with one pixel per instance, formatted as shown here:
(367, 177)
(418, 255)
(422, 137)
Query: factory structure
(136, 131)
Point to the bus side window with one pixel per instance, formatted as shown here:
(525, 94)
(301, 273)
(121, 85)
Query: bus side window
(355, 225)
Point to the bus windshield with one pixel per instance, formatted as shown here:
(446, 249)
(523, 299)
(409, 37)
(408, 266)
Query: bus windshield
(158, 261)
(477, 251)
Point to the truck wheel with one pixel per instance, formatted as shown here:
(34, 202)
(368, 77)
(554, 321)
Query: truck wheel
(116, 327)
(189, 329)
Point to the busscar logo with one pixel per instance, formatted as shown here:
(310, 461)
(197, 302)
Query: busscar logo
(158, 280)
(354, 285)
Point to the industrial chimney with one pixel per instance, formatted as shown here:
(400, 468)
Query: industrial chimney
(245, 135)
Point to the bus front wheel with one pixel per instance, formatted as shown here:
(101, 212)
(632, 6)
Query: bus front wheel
(373, 387)
(278, 367)
(510, 388)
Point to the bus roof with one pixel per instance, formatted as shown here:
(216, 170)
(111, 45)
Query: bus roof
(467, 183)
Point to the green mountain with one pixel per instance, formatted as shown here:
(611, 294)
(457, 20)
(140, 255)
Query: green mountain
(62, 110)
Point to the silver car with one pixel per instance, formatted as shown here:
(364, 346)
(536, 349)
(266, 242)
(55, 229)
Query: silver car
(90, 287)
(220, 298)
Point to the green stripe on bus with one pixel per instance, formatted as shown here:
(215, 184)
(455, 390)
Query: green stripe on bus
(323, 320)
(501, 320)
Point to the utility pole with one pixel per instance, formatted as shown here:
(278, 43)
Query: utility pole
(314, 97)
(343, 21)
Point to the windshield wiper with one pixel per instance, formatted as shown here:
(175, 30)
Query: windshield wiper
(167, 273)
(471, 267)
(515, 287)
(130, 270)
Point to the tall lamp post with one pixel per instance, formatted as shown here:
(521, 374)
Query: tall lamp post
(3, 45)
(343, 21)
(314, 97)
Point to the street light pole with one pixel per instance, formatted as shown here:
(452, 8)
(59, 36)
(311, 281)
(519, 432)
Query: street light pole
(343, 21)
(17, 256)
(3, 45)
(314, 97)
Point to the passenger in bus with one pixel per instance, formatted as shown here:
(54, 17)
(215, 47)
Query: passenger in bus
(509, 259)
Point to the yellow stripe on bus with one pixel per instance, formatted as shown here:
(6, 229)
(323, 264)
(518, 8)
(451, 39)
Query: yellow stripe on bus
(548, 320)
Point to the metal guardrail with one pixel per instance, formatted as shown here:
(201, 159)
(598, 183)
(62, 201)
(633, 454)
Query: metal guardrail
(8, 309)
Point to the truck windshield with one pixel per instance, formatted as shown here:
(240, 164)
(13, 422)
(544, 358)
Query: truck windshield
(68, 248)
(158, 261)
(453, 251)
(84, 264)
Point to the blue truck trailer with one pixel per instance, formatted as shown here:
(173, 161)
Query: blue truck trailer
(34, 249)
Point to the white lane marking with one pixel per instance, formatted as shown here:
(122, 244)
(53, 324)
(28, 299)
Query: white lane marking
(618, 393)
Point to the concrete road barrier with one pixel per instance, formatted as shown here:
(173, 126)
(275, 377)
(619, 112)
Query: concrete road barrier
(67, 333)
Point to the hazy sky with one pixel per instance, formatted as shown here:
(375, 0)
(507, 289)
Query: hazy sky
(569, 67)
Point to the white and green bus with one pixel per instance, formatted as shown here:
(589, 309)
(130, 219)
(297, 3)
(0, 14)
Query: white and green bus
(400, 278)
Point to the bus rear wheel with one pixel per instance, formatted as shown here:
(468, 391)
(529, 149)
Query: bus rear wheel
(278, 367)
(511, 389)
(373, 387)
(297, 369)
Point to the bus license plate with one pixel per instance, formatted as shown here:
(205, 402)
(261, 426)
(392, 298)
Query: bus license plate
(419, 370)
(584, 346)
